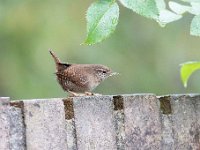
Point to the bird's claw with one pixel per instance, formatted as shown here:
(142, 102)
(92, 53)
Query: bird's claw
(89, 93)
(73, 94)
(92, 94)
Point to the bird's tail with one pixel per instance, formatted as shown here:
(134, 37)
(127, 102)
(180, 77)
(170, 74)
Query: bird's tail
(56, 59)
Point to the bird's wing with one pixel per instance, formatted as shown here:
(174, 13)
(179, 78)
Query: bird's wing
(77, 75)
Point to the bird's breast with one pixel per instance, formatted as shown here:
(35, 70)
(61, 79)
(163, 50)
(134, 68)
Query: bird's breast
(93, 83)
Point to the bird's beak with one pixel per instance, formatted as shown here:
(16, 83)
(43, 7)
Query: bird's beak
(114, 73)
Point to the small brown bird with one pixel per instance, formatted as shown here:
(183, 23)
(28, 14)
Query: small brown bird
(80, 78)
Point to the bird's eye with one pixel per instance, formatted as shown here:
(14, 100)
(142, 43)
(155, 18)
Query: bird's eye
(104, 71)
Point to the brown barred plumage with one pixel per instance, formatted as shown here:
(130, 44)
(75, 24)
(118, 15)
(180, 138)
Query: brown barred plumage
(80, 78)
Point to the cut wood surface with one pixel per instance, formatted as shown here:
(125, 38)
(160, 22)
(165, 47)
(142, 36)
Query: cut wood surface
(4, 123)
(94, 122)
(45, 124)
(120, 122)
(142, 122)
(185, 124)
(17, 130)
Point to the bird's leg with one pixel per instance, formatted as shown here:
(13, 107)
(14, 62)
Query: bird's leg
(97, 94)
(73, 94)
(92, 94)
(89, 93)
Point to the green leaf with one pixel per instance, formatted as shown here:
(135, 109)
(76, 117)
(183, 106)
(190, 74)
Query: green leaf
(187, 69)
(145, 8)
(190, 1)
(195, 10)
(178, 8)
(102, 18)
(167, 16)
(160, 4)
(195, 26)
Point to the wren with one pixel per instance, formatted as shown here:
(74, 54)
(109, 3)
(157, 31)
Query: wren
(80, 78)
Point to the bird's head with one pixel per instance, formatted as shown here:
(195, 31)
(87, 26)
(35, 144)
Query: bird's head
(102, 72)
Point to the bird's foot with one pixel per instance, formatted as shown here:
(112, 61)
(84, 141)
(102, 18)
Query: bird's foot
(89, 93)
(97, 94)
(92, 94)
(73, 94)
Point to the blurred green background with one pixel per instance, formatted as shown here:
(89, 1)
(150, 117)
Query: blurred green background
(146, 55)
